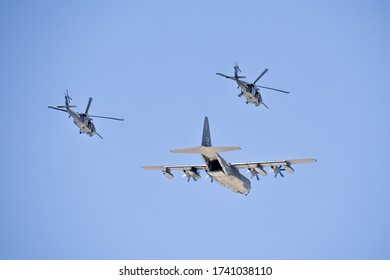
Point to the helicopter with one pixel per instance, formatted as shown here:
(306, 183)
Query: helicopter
(82, 120)
(250, 90)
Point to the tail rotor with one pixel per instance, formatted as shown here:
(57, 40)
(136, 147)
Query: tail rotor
(236, 67)
(67, 98)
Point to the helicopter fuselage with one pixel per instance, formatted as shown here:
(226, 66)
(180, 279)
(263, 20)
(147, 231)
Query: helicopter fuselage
(84, 122)
(251, 92)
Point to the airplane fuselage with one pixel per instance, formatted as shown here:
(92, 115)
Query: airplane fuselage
(234, 182)
(227, 175)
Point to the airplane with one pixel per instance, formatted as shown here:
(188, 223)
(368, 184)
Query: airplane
(251, 91)
(218, 169)
(82, 120)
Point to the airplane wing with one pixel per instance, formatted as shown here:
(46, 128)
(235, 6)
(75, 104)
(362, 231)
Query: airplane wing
(176, 167)
(191, 171)
(272, 163)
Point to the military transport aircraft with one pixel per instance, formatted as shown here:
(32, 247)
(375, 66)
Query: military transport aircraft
(251, 91)
(227, 174)
(82, 120)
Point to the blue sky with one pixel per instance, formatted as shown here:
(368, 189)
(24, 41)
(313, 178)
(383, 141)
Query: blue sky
(69, 196)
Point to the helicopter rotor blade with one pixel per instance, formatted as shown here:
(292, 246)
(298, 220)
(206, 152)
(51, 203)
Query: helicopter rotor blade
(226, 76)
(261, 75)
(231, 77)
(89, 104)
(55, 108)
(275, 89)
(70, 106)
(110, 118)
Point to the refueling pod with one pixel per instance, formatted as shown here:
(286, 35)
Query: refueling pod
(289, 169)
(167, 173)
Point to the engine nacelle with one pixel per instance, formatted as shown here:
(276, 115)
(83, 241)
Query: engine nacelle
(192, 173)
(259, 169)
(167, 173)
(289, 169)
(252, 171)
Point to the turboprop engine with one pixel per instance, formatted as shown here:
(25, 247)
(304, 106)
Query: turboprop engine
(259, 169)
(191, 173)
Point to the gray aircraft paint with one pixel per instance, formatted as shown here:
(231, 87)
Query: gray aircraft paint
(227, 174)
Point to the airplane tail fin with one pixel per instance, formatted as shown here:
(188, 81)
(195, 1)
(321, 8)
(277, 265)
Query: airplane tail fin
(206, 147)
(206, 137)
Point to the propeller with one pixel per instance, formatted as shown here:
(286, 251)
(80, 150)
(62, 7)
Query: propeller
(274, 89)
(188, 176)
(208, 176)
(253, 173)
(89, 104)
(278, 170)
(261, 75)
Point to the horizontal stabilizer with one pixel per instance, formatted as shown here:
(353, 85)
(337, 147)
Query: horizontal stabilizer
(205, 150)
(225, 149)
